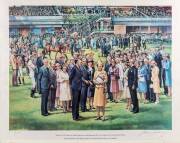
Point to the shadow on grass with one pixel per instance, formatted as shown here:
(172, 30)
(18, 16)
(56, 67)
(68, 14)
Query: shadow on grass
(75, 125)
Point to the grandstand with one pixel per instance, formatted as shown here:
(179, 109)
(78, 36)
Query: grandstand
(122, 11)
(90, 20)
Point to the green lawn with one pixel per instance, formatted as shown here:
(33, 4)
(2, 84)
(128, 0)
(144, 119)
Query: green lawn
(25, 115)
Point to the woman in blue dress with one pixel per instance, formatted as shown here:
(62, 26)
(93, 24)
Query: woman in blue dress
(142, 85)
(168, 76)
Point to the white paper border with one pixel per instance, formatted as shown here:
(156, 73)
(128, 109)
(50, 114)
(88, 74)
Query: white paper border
(49, 136)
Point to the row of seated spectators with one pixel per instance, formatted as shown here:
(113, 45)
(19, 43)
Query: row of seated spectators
(55, 10)
(84, 10)
(126, 12)
(33, 11)
(155, 11)
(140, 11)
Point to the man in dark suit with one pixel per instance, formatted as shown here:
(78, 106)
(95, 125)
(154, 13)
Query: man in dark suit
(148, 77)
(133, 84)
(107, 66)
(76, 84)
(39, 64)
(102, 46)
(39, 61)
(85, 83)
(44, 83)
(72, 46)
(139, 42)
(120, 42)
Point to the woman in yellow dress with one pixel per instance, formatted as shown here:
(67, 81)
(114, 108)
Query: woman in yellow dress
(155, 80)
(100, 79)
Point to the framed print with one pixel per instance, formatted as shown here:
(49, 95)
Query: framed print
(89, 71)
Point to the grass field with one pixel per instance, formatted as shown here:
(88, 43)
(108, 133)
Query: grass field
(25, 115)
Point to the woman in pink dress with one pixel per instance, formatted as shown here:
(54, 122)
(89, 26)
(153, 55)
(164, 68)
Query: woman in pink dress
(120, 66)
(114, 80)
(58, 72)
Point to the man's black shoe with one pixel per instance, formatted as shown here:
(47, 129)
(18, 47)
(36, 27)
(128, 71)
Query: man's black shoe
(75, 119)
(45, 114)
(136, 112)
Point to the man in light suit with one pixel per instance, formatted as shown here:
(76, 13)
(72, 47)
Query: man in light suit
(53, 85)
(44, 84)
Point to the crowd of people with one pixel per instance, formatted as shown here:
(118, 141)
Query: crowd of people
(85, 82)
(25, 45)
(127, 12)
(32, 11)
(155, 11)
(57, 10)
(142, 11)
(84, 19)
(139, 11)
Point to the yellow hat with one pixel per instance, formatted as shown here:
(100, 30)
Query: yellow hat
(99, 62)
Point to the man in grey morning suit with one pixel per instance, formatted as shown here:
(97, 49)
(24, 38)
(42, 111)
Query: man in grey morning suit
(44, 83)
